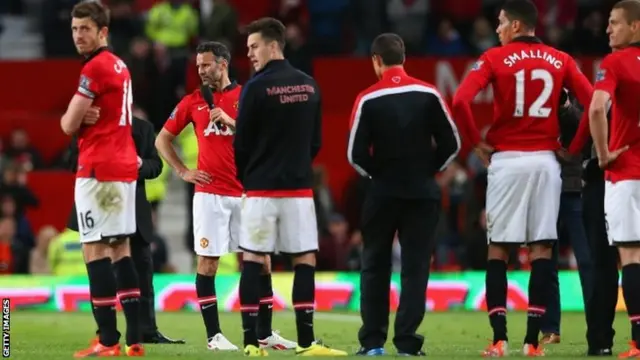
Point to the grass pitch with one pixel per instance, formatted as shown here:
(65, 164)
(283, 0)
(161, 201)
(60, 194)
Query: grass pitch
(453, 335)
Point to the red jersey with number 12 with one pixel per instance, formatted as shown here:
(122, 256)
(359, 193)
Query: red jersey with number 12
(215, 146)
(619, 77)
(527, 78)
(106, 149)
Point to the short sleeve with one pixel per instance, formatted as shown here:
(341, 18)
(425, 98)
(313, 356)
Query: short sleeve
(179, 118)
(89, 85)
(606, 78)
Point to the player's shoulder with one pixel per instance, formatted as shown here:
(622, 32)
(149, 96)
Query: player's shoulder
(616, 56)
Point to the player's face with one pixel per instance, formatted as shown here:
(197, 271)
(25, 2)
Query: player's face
(619, 30)
(210, 71)
(505, 28)
(86, 35)
(259, 51)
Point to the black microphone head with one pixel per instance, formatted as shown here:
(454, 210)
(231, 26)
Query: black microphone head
(207, 95)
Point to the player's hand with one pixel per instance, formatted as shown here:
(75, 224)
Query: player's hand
(217, 115)
(484, 151)
(92, 116)
(196, 176)
(609, 157)
(564, 155)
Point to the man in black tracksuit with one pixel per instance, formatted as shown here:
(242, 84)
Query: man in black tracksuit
(150, 167)
(277, 138)
(393, 127)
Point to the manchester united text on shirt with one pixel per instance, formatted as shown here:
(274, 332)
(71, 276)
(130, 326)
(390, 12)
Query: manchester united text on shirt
(291, 93)
(513, 58)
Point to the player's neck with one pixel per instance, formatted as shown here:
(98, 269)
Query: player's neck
(524, 34)
(386, 68)
(224, 83)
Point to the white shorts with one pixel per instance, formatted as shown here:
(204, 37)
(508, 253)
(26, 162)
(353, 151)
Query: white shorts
(105, 209)
(283, 225)
(523, 197)
(622, 211)
(216, 224)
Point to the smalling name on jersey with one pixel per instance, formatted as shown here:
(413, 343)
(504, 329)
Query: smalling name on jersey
(291, 93)
(515, 57)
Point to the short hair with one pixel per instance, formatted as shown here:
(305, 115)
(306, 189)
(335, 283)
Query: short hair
(631, 9)
(92, 9)
(270, 29)
(218, 49)
(390, 48)
(524, 11)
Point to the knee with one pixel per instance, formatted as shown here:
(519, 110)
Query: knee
(266, 266)
(629, 254)
(541, 250)
(207, 265)
(120, 249)
(498, 252)
(94, 251)
(305, 259)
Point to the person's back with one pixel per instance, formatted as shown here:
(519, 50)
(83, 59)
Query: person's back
(290, 139)
(403, 115)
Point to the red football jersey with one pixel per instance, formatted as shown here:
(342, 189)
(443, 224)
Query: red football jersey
(527, 78)
(106, 149)
(619, 77)
(215, 147)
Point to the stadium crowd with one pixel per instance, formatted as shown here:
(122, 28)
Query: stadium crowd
(157, 39)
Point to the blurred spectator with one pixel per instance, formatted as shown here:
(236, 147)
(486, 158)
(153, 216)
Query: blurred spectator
(38, 261)
(327, 25)
(144, 75)
(446, 41)
(55, 20)
(591, 38)
(408, 18)
(369, 18)
(22, 152)
(297, 50)
(354, 254)
(354, 195)
(222, 24)
(125, 26)
(476, 244)
(14, 259)
(14, 181)
(334, 245)
(323, 198)
(483, 37)
(65, 255)
(24, 235)
(294, 12)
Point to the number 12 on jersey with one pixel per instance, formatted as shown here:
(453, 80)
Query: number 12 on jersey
(537, 108)
(127, 101)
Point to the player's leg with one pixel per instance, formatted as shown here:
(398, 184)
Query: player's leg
(622, 211)
(211, 241)
(506, 207)
(380, 220)
(550, 325)
(542, 233)
(120, 226)
(418, 220)
(257, 239)
(267, 337)
(102, 282)
(298, 237)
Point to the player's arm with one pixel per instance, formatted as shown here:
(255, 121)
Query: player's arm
(178, 120)
(598, 122)
(316, 141)
(246, 124)
(478, 78)
(580, 86)
(151, 166)
(360, 139)
(445, 132)
(81, 102)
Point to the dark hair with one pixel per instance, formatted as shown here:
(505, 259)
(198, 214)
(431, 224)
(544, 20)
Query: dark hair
(218, 49)
(270, 29)
(631, 9)
(522, 10)
(93, 10)
(390, 48)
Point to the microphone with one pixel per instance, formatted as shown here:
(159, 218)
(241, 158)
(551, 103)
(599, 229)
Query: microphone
(207, 95)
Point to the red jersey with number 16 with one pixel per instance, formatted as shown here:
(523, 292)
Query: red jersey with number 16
(527, 78)
(106, 149)
(619, 77)
(215, 146)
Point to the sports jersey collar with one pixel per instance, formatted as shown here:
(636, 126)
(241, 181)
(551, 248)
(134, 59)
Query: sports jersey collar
(274, 64)
(94, 54)
(635, 44)
(527, 40)
(394, 71)
(231, 86)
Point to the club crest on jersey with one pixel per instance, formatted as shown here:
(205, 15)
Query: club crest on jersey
(235, 105)
(601, 75)
(477, 65)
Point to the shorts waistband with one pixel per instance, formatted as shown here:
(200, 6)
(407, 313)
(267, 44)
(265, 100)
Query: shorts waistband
(520, 154)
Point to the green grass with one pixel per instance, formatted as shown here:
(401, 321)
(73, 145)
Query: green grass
(454, 335)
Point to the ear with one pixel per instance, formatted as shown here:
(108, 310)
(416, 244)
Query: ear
(104, 32)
